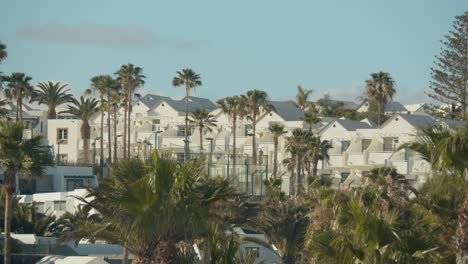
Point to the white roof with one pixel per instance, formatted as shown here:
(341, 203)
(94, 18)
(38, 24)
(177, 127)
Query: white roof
(414, 107)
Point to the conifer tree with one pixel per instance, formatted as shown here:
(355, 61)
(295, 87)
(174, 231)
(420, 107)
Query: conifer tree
(449, 83)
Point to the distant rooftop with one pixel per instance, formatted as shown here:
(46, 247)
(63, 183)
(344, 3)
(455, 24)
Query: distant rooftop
(288, 111)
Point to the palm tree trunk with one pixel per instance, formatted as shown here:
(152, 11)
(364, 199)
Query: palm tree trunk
(101, 151)
(254, 145)
(275, 159)
(187, 89)
(21, 108)
(234, 158)
(315, 161)
(115, 133)
(109, 137)
(165, 252)
(125, 253)
(125, 128)
(129, 122)
(201, 140)
(18, 102)
(461, 236)
(10, 178)
(298, 174)
(51, 113)
(85, 135)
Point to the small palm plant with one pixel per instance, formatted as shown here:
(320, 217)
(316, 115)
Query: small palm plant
(205, 121)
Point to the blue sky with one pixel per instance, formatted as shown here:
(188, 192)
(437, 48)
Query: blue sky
(328, 46)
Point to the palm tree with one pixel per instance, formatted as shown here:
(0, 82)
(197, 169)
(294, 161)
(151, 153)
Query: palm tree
(235, 108)
(101, 84)
(380, 89)
(130, 79)
(18, 89)
(51, 94)
(302, 98)
(189, 79)
(3, 52)
(149, 208)
(18, 155)
(311, 115)
(277, 130)
(114, 101)
(204, 121)
(257, 102)
(84, 109)
(285, 226)
(297, 146)
(318, 150)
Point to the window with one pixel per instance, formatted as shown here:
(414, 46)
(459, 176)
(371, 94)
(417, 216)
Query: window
(390, 144)
(62, 135)
(344, 176)
(253, 251)
(366, 143)
(181, 131)
(60, 205)
(345, 145)
(180, 157)
(41, 126)
(73, 184)
(155, 125)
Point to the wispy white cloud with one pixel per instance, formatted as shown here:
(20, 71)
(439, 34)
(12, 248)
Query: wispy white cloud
(102, 35)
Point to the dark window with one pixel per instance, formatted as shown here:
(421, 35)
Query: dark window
(345, 145)
(73, 184)
(62, 135)
(344, 176)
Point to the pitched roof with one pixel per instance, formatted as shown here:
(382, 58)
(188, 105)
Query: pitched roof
(395, 107)
(352, 125)
(347, 105)
(288, 111)
(419, 120)
(414, 107)
(194, 103)
(151, 99)
(451, 122)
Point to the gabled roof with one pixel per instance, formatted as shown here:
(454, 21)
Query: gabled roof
(151, 99)
(347, 105)
(395, 107)
(287, 111)
(391, 106)
(194, 104)
(414, 107)
(350, 125)
(451, 122)
(414, 120)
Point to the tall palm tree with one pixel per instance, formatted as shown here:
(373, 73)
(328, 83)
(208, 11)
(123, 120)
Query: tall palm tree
(130, 79)
(277, 130)
(318, 150)
(380, 89)
(101, 84)
(189, 79)
(311, 115)
(302, 98)
(18, 89)
(114, 101)
(51, 94)
(18, 155)
(257, 102)
(297, 145)
(84, 109)
(235, 108)
(3, 52)
(204, 121)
